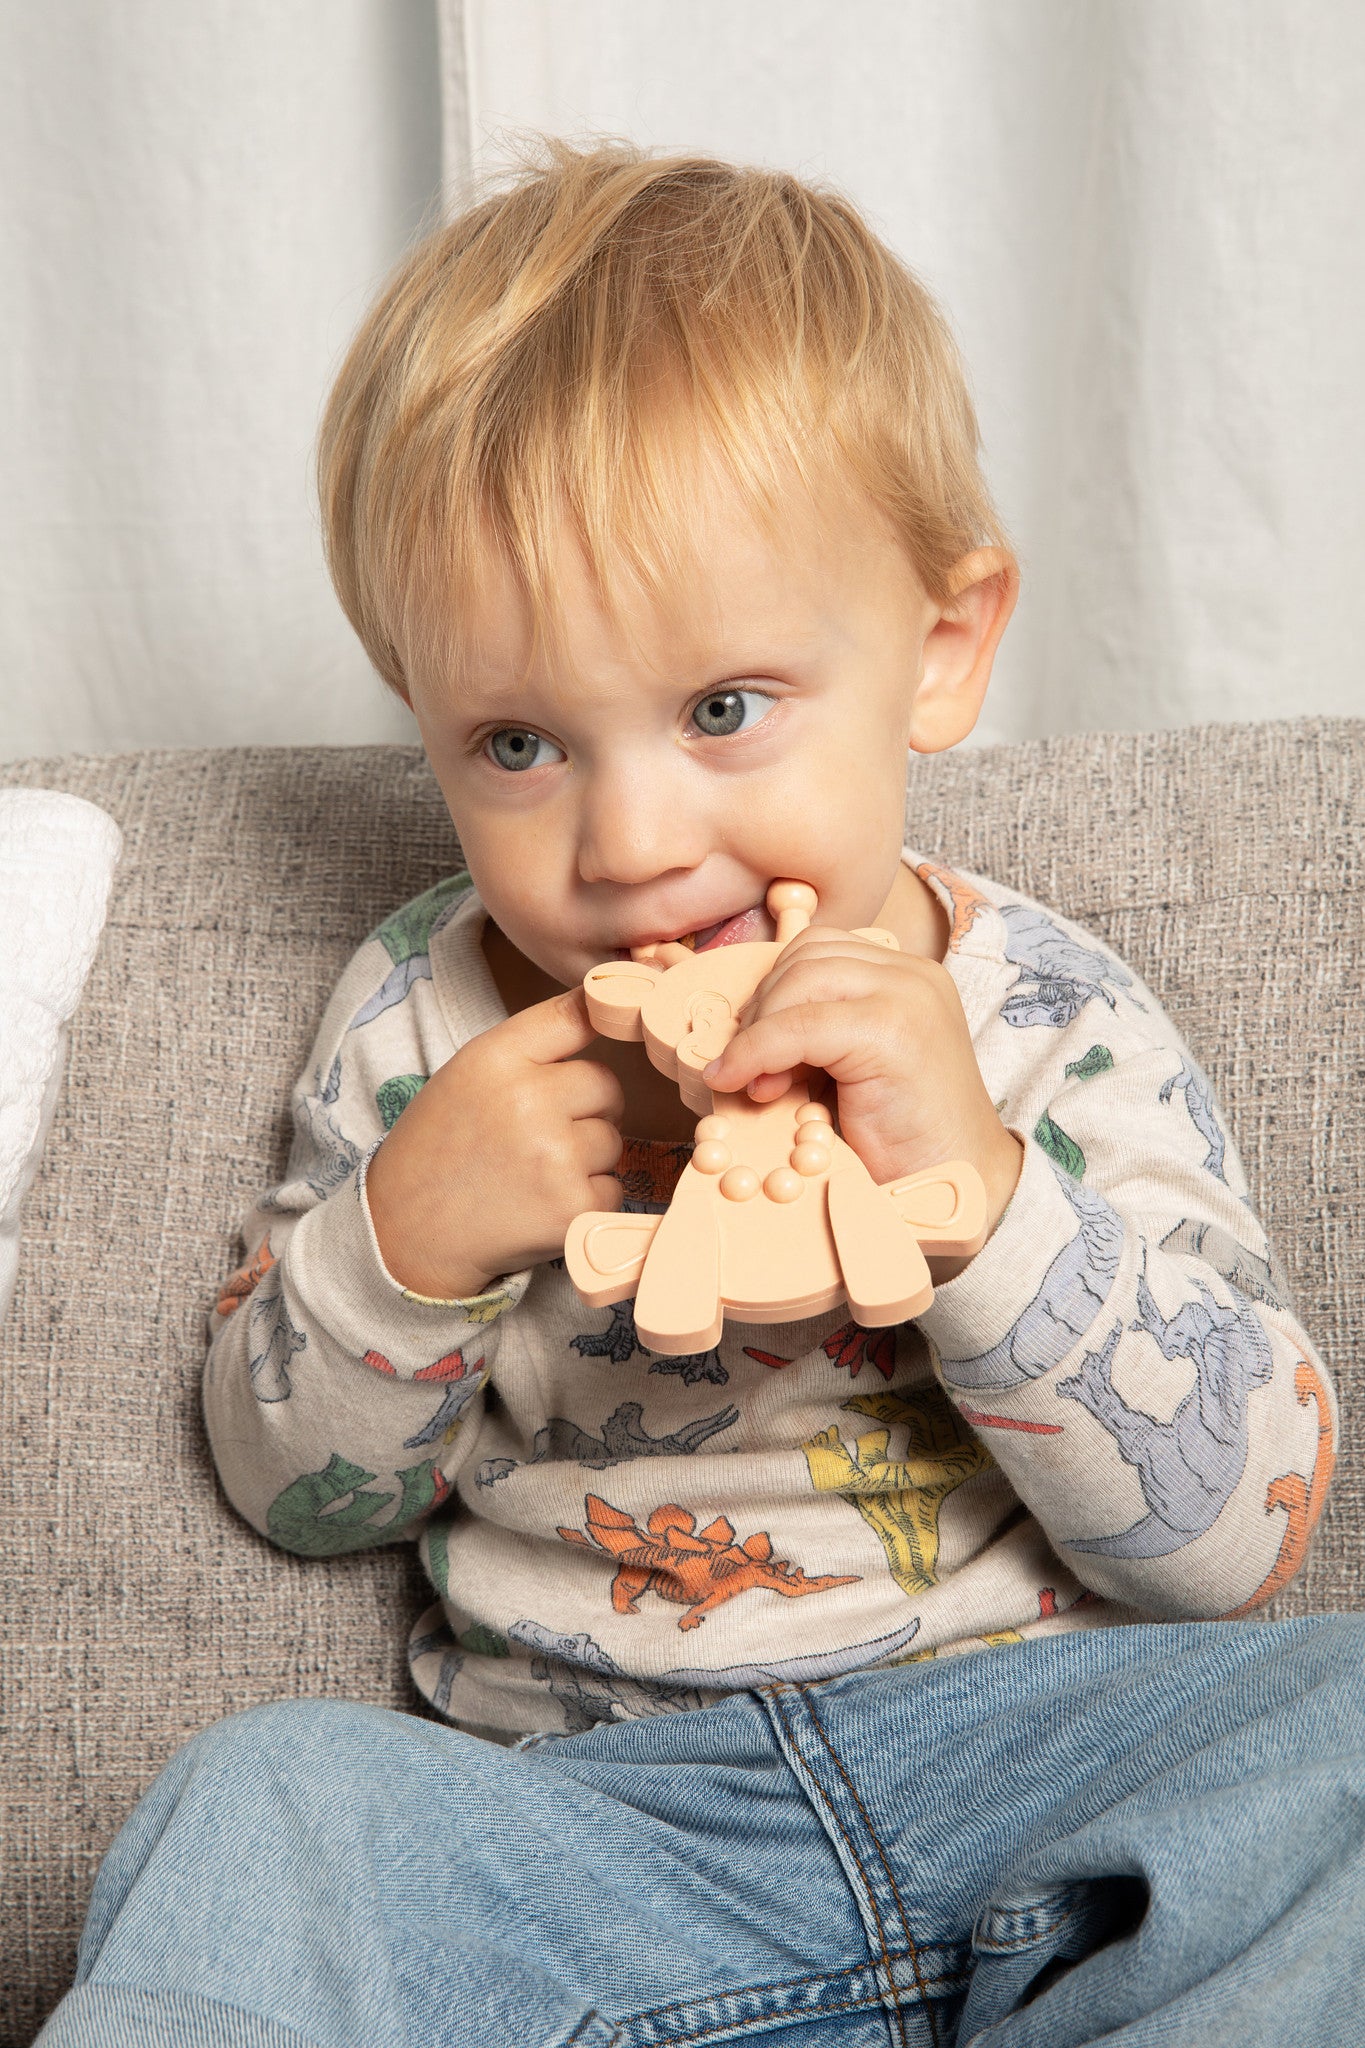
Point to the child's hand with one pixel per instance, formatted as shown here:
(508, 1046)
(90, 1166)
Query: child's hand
(889, 1028)
(490, 1162)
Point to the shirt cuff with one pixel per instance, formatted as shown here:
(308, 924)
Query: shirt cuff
(337, 1276)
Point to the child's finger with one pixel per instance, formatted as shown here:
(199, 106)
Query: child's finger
(780, 1043)
(554, 1029)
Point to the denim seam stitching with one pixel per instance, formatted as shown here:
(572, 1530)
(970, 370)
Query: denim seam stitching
(775, 1692)
(590, 2019)
(653, 2012)
(882, 1857)
(872, 1999)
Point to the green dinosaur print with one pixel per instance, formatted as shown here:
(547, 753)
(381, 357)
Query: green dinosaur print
(304, 1516)
(1098, 1060)
(900, 1498)
(436, 1546)
(1059, 1146)
(393, 1096)
(408, 932)
(481, 1641)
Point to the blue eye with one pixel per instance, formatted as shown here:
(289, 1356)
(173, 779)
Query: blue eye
(721, 712)
(515, 747)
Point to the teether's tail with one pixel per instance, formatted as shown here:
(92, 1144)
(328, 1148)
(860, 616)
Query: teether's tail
(791, 906)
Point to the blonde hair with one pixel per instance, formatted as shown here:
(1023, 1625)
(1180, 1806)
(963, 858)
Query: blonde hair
(565, 344)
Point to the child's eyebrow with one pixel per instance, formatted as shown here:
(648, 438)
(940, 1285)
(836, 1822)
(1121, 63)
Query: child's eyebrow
(485, 696)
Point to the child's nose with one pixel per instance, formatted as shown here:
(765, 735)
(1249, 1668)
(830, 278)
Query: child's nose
(636, 830)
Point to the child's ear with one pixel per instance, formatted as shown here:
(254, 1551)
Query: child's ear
(959, 649)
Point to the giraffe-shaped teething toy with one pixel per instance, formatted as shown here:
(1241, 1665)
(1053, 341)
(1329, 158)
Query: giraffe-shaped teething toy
(774, 1217)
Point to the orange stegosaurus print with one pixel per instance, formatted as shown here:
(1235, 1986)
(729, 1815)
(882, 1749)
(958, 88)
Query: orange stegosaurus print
(967, 902)
(694, 1568)
(246, 1279)
(1300, 1498)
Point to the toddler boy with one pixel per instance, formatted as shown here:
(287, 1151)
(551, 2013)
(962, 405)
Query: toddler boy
(862, 1682)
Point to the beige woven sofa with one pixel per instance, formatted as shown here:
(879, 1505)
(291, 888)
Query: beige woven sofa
(1226, 863)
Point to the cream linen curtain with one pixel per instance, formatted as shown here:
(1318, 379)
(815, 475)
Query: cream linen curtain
(1144, 218)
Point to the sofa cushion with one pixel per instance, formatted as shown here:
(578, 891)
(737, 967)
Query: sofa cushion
(1223, 862)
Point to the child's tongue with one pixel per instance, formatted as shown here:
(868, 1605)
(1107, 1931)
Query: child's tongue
(732, 931)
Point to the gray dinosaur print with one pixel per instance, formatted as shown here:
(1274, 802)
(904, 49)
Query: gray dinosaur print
(273, 1338)
(406, 937)
(1058, 975)
(318, 1138)
(1199, 1103)
(590, 1685)
(452, 1663)
(805, 1670)
(1189, 1466)
(1074, 1290)
(1262, 1279)
(619, 1343)
(393, 989)
(622, 1438)
(455, 1399)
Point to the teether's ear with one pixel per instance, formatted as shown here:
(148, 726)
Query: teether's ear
(616, 992)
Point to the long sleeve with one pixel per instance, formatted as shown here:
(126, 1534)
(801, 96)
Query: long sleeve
(335, 1399)
(1124, 1343)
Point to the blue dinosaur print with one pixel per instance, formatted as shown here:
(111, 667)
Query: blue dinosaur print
(1058, 975)
(273, 1338)
(1074, 1290)
(1187, 1467)
(1199, 1103)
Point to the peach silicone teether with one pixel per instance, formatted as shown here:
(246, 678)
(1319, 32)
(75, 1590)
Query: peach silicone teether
(774, 1217)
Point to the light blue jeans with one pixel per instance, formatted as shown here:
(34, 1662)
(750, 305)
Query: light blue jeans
(1132, 1835)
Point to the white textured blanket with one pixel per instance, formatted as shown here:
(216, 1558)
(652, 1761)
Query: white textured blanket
(57, 859)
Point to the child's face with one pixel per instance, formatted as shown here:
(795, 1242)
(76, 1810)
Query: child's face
(757, 729)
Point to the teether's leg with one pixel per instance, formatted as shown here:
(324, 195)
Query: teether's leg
(885, 1276)
(945, 1207)
(677, 1304)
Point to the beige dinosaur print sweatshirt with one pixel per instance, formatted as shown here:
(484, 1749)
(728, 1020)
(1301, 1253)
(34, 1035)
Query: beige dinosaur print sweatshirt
(1111, 1415)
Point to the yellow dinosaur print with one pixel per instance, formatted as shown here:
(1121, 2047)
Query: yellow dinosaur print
(900, 1498)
